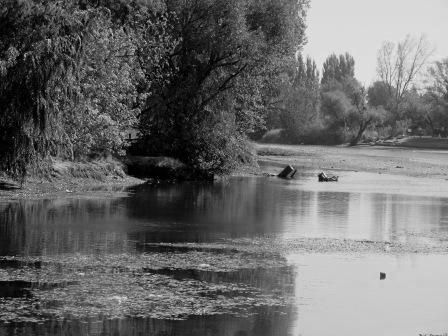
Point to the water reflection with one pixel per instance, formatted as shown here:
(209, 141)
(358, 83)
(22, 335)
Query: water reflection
(266, 322)
(326, 289)
(239, 207)
(244, 207)
(377, 217)
(62, 226)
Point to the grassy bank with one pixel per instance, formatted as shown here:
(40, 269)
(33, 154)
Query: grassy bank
(65, 177)
(100, 175)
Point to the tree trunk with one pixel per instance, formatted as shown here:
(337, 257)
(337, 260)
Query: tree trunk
(430, 124)
(362, 128)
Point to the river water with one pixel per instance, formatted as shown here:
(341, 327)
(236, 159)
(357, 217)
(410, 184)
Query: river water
(94, 264)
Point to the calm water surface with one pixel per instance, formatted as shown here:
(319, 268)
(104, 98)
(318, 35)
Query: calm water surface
(342, 295)
(333, 294)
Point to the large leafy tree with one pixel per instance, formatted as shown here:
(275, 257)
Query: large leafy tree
(228, 57)
(180, 118)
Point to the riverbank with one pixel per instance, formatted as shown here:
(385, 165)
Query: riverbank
(111, 176)
(101, 175)
(67, 178)
(424, 163)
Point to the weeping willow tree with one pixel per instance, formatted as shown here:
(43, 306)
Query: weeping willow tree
(41, 44)
(73, 75)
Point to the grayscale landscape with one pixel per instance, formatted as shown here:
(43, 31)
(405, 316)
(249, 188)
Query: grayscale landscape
(228, 168)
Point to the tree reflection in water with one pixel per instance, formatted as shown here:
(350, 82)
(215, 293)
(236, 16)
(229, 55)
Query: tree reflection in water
(265, 322)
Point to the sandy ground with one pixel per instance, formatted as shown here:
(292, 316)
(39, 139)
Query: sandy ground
(422, 163)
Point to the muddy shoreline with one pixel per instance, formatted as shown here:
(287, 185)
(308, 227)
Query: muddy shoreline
(413, 162)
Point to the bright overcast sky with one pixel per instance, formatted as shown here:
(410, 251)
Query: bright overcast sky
(360, 26)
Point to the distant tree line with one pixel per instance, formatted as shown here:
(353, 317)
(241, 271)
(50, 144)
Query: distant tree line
(194, 77)
(336, 108)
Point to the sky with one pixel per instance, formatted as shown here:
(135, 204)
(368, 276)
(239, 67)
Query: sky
(360, 26)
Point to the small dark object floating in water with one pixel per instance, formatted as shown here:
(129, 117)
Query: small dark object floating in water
(382, 276)
(324, 178)
(288, 172)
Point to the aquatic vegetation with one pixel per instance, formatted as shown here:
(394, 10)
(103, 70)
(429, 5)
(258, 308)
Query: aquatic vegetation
(146, 285)
(164, 281)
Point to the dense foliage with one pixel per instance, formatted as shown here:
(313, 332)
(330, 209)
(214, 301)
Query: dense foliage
(330, 110)
(301, 102)
(41, 46)
(336, 108)
(338, 68)
(194, 77)
(223, 69)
